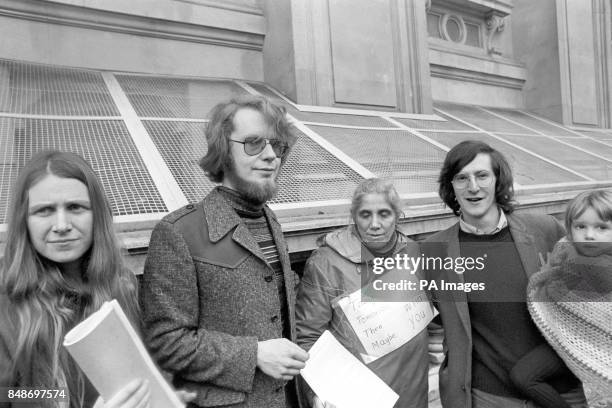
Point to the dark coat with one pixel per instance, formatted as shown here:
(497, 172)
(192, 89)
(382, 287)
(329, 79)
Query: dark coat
(208, 298)
(534, 237)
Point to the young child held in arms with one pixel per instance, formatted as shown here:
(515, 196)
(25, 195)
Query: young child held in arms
(570, 300)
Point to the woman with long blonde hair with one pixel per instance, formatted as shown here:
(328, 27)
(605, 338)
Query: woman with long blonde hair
(61, 263)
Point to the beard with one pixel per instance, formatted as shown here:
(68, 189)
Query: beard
(257, 193)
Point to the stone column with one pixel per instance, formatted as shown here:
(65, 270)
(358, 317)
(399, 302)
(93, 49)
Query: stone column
(566, 51)
(369, 54)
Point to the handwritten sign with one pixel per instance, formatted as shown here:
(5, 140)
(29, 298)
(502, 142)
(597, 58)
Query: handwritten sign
(385, 326)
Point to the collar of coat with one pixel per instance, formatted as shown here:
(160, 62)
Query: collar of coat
(471, 229)
(222, 218)
(347, 243)
(517, 226)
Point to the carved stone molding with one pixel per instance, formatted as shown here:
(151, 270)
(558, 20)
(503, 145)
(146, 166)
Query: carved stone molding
(502, 7)
(495, 25)
(463, 67)
(479, 77)
(102, 20)
(460, 25)
(427, 5)
(226, 5)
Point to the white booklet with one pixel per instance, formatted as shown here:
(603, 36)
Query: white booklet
(338, 377)
(111, 354)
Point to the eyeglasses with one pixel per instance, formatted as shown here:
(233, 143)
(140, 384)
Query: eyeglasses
(254, 145)
(483, 179)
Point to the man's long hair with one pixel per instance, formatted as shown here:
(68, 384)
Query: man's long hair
(43, 306)
(218, 159)
(460, 156)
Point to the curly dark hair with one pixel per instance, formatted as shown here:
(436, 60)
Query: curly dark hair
(459, 157)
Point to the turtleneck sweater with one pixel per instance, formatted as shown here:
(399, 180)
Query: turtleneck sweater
(254, 217)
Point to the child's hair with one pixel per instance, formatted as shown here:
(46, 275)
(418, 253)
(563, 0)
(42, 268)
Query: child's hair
(599, 200)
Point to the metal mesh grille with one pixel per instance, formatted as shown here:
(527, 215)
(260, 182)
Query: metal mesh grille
(482, 119)
(310, 173)
(451, 139)
(451, 124)
(533, 123)
(47, 90)
(412, 163)
(527, 169)
(262, 89)
(182, 144)
(564, 155)
(331, 118)
(174, 97)
(595, 135)
(9, 166)
(347, 120)
(592, 146)
(105, 144)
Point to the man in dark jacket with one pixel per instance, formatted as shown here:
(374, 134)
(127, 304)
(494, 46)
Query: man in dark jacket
(488, 329)
(218, 290)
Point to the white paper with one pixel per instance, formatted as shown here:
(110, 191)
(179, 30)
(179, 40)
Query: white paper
(110, 353)
(338, 377)
(382, 327)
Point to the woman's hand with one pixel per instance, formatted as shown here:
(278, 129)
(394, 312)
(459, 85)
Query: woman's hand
(317, 403)
(136, 394)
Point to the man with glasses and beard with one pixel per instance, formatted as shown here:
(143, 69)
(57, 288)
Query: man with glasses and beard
(218, 289)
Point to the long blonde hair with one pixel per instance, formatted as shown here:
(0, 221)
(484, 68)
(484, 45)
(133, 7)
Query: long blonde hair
(44, 305)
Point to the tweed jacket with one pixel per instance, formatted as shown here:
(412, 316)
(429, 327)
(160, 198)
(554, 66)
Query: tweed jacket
(208, 297)
(534, 237)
